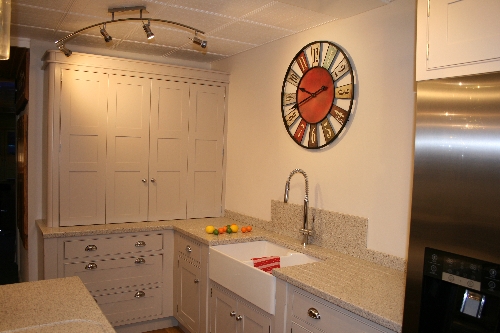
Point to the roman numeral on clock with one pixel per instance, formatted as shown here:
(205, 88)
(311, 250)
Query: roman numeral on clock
(293, 77)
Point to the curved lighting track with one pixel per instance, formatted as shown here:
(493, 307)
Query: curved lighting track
(73, 34)
(195, 39)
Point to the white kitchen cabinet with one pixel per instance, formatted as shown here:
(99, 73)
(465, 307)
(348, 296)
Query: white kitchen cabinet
(231, 313)
(129, 142)
(79, 146)
(311, 314)
(168, 150)
(457, 38)
(206, 145)
(130, 275)
(127, 183)
(190, 284)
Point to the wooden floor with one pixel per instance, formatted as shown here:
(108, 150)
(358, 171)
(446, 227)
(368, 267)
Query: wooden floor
(167, 330)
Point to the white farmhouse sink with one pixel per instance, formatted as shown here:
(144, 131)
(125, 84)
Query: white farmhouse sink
(231, 266)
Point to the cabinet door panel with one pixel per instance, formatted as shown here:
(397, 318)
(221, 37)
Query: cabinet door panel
(222, 306)
(168, 150)
(128, 148)
(253, 321)
(296, 328)
(462, 32)
(188, 295)
(82, 157)
(206, 144)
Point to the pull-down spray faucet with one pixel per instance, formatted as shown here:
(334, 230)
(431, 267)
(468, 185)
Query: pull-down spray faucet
(304, 231)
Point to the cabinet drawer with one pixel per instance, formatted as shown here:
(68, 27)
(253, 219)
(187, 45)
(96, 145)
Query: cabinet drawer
(117, 273)
(333, 318)
(188, 247)
(101, 246)
(132, 305)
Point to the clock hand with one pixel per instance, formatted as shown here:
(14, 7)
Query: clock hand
(304, 90)
(312, 95)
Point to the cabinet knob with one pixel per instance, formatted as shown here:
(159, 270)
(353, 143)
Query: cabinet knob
(91, 248)
(144, 180)
(188, 248)
(91, 266)
(313, 313)
(153, 180)
(232, 314)
(140, 294)
(140, 243)
(196, 281)
(140, 261)
(239, 317)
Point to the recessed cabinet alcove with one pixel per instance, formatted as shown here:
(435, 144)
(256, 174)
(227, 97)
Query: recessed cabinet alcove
(132, 141)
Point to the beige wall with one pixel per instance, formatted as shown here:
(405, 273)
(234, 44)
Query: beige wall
(367, 171)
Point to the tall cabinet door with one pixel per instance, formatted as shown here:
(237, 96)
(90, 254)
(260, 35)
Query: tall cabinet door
(206, 149)
(168, 150)
(188, 295)
(128, 149)
(82, 157)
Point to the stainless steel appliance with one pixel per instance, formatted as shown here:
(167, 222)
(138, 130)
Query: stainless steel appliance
(455, 215)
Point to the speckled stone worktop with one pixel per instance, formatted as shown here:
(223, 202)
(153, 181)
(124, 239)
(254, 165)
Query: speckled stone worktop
(365, 288)
(57, 305)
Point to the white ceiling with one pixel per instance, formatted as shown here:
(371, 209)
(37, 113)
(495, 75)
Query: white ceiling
(230, 26)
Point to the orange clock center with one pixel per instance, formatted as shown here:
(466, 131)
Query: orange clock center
(315, 94)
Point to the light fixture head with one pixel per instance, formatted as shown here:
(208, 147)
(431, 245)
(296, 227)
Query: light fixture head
(147, 29)
(67, 52)
(105, 34)
(197, 40)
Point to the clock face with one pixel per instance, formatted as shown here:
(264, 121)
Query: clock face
(317, 94)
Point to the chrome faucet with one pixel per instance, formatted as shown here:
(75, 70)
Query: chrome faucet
(304, 231)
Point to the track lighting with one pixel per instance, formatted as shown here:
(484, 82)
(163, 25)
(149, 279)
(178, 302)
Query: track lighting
(67, 52)
(197, 40)
(147, 30)
(146, 26)
(105, 34)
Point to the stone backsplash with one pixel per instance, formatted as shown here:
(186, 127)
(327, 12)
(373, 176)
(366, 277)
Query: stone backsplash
(340, 232)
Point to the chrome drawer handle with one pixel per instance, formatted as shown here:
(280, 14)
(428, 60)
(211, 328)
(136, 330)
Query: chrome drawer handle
(140, 261)
(313, 313)
(140, 243)
(140, 294)
(144, 180)
(232, 314)
(239, 317)
(91, 266)
(196, 280)
(91, 248)
(188, 248)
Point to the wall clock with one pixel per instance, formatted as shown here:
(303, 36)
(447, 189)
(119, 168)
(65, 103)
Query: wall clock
(317, 94)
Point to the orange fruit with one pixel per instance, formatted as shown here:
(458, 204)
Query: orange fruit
(221, 230)
(224, 228)
(244, 229)
(249, 228)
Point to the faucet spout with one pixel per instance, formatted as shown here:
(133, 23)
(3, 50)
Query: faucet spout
(304, 231)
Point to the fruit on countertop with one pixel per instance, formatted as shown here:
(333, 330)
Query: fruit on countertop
(216, 232)
(210, 229)
(233, 227)
(246, 229)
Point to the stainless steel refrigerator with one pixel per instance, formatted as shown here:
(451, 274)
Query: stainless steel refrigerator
(454, 249)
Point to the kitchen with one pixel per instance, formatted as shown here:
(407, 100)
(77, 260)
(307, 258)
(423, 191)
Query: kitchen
(366, 172)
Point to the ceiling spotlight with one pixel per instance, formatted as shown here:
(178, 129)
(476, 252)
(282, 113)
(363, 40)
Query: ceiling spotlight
(148, 31)
(105, 34)
(197, 40)
(67, 52)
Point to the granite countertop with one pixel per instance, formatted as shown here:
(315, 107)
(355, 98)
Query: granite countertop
(370, 290)
(57, 305)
